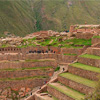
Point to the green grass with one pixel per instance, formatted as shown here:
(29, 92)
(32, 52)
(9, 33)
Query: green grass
(68, 91)
(71, 54)
(54, 98)
(86, 67)
(58, 68)
(38, 60)
(34, 68)
(90, 56)
(96, 36)
(78, 79)
(23, 78)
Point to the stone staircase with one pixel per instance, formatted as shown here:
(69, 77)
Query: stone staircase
(79, 81)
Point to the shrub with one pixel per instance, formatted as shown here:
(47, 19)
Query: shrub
(58, 68)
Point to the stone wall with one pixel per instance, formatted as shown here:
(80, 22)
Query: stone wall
(68, 58)
(58, 94)
(84, 35)
(84, 73)
(72, 51)
(17, 65)
(27, 56)
(89, 61)
(77, 86)
(26, 73)
(10, 50)
(28, 49)
(93, 51)
(17, 84)
(95, 40)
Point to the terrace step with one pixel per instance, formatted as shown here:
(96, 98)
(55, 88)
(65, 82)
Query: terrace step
(17, 83)
(26, 72)
(91, 60)
(43, 97)
(86, 71)
(93, 51)
(76, 82)
(64, 93)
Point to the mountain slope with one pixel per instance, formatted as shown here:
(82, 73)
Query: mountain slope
(22, 17)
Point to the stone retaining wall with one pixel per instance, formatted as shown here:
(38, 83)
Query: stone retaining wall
(83, 73)
(93, 51)
(95, 40)
(27, 56)
(72, 51)
(77, 86)
(58, 94)
(26, 73)
(84, 35)
(68, 58)
(17, 84)
(89, 61)
(17, 65)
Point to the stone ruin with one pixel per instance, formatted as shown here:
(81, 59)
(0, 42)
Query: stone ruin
(24, 69)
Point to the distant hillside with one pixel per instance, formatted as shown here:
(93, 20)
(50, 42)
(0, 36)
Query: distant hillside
(22, 17)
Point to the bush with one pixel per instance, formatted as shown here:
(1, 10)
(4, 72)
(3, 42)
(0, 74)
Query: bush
(58, 68)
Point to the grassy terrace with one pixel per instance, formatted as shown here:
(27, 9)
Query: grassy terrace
(78, 79)
(90, 56)
(54, 98)
(86, 67)
(68, 43)
(34, 68)
(39, 60)
(67, 91)
(71, 54)
(96, 36)
(23, 78)
(29, 60)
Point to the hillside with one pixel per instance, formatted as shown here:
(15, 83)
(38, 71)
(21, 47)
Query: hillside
(22, 17)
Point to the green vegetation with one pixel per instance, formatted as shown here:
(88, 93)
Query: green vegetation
(78, 79)
(71, 54)
(68, 43)
(27, 43)
(96, 36)
(58, 68)
(86, 67)
(24, 17)
(23, 78)
(68, 91)
(34, 68)
(90, 56)
(54, 98)
(39, 60)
